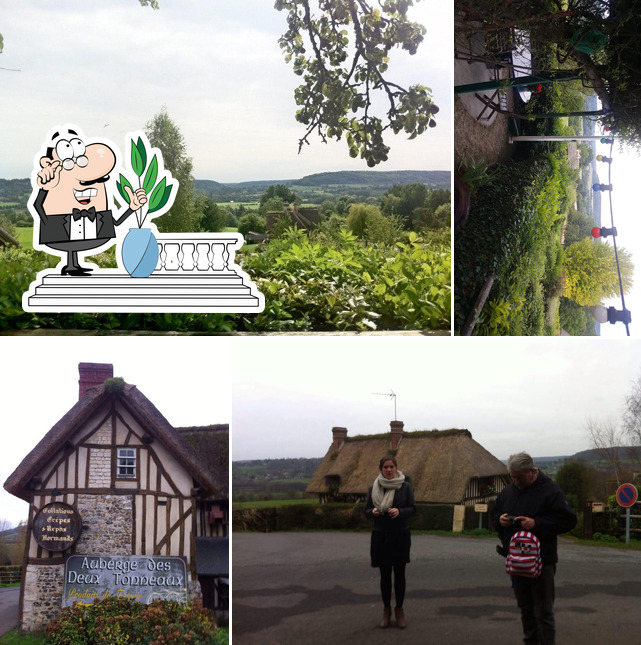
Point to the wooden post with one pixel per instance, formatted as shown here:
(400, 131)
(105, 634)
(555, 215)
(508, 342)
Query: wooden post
(473, 318)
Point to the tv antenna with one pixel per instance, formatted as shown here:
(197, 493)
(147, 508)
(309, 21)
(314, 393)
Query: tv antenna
(391, 396)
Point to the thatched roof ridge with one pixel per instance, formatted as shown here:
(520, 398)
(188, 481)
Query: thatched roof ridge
(95, 398)
(210, 447)
(417, 434)
(440, 464)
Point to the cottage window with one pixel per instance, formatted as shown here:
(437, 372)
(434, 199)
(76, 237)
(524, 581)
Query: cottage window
(126, 463)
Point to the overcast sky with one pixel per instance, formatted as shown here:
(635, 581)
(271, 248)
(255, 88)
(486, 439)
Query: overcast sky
(512, 394)
(625, 173)
(215, 65)
(187, 378)
(287, 393)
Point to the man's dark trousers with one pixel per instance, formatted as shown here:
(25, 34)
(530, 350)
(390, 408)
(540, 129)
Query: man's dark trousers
(535, 597)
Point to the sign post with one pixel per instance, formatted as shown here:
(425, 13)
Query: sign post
(480, 509)
(627, 495)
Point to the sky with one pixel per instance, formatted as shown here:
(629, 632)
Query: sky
(282, 395)
(512, 394)
(625, 173)
(187, 378)
(216, 67)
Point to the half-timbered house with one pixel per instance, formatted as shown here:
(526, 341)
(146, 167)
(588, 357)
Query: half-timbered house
(445, 466)
(138, 486)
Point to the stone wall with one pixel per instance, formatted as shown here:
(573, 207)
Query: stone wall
(42, 595)
(107, 524)
(100, 468)
(99, 459)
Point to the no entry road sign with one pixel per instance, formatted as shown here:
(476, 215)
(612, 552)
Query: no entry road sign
(627, 495)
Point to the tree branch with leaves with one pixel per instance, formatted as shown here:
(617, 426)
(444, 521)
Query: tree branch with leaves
(341, 50)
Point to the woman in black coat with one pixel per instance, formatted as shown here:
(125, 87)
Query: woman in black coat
(390, 502)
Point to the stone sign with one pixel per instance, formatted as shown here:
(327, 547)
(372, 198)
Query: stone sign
(56, 526)
(142, 578)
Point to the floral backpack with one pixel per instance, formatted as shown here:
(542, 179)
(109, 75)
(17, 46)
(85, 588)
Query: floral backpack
(524, 555)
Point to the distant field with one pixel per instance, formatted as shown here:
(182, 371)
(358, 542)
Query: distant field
(25, 236)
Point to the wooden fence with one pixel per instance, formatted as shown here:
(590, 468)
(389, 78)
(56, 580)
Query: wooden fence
(10, 575)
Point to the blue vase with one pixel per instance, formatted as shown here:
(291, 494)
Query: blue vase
(140, 252)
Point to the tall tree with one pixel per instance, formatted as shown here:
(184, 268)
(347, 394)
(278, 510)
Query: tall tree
(600, 37)
(632, 421)
(341, 50)
(165, 135)
(607, 437)
(591, 272)
(280, 191)
(575, 480)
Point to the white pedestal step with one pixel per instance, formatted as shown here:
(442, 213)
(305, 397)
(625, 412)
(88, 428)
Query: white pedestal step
(112, 291)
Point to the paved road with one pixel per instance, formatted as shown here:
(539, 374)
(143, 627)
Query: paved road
(319, 588)
(9, 597)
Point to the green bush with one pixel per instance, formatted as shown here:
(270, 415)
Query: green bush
(310, 284)
(331, 281)
(116, 621)
(514, 220)
(337, 516)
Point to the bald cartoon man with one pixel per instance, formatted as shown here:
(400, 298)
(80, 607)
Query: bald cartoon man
(72, 198)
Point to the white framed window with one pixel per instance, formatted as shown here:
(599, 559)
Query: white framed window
(126, 466)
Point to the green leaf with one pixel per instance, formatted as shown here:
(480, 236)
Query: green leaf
(121, 188)
(143, 153)
(164, 199)
(150, 176)
(156, 196)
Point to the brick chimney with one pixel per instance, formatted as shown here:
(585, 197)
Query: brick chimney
(338, 436)
(396, 430)
(93, 374)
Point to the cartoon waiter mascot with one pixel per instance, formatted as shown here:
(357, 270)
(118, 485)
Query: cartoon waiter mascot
(71, 201)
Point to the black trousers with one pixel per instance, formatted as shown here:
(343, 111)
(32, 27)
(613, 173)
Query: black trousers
(535, 598)
(399, 584)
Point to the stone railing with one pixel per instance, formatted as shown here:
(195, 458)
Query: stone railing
(197, 253)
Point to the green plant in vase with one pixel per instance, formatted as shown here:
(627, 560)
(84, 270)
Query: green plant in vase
(140, 248)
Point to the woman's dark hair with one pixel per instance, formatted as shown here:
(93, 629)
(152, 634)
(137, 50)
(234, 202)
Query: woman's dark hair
(387, 458)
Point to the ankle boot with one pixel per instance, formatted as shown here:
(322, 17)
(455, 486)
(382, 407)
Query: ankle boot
(400, 617)
(387, 615)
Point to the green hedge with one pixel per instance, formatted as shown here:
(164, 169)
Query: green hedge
(346, 517)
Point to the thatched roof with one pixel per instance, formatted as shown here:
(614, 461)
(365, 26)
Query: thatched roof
(95, 398)
(440, 464)
(210, 445)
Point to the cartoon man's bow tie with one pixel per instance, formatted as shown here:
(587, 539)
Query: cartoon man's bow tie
(89, 213)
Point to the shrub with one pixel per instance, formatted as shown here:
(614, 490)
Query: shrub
(368, 223)
(349, 285)
(330, 281)
(116, 621)
(251, 222)
(513, 222)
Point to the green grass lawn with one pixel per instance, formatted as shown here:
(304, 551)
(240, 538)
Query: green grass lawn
(25, 236)
(13, 638)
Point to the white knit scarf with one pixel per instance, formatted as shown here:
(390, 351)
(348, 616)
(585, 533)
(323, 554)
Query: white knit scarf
(383, 491)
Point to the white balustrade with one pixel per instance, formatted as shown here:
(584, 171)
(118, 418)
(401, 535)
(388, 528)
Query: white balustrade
(197, 252)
